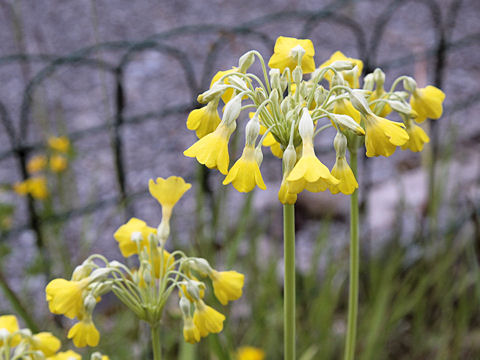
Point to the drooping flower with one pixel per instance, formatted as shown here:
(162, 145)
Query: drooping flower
(66, 355)
(60, 144)
(383, 136)
(212, 149)
(227, 285)
(84, 333)
(65, 297)
(245, 173)
(204, 120)
(285, 196)
(190, 331)
(46, 343)
(207, 319)
(345, 107)
(417, 137)
(58, 163)
(124, 233)
(427, 103)
(342, 171)
(228, 94)
(9, 324)
(36, 164)
(350, 76)
(250, 353)
(283, 56)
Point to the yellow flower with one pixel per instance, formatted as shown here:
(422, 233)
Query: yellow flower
(66, 355)
(383, 136)
(212, 149)
(190, 331)
(427, 103)
(227, 285)
(58, 163)
(386, 108)
(65, 297)
(341, 170)
(350, 76)
(250, 353)
(282, 57)
(285, 196)
(270, 141)
(84, 333)
(36, 164)
(60, 143)
(206, 319)
(46, 343)
(168, 191)
(245, 173)
(10, 324)
(345, 107)
(187, 294)
(228, 94)
(36, 186)
(123, 236)
(309, 173)
(417, 138)
(204, 120)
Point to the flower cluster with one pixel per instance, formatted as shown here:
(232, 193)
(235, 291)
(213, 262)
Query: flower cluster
(146, 288)
(55, 160)
(290, 111)
(16, 343)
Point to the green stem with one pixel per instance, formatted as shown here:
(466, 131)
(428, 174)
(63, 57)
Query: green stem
(289, 288)
(157, 349)
(354, 268)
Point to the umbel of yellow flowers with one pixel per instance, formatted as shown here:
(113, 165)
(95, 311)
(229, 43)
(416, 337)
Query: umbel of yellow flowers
(23, 344)
(291, 110)
(145, 289)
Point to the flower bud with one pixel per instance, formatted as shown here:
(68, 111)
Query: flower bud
(379, 77)
(201, 265)
(25, 333)
(238, 82)
(289, 158)
(337, 80)
(275, 79)
(342, 65)
(82, 271)
(193, 289)
(245, 61)
(358, 101)
(305, 127)
(185, 306)
(340, 144)
(252, 130)
(89, 303)
(96, 356)
(100, 274)
(284, 105)
(232, 110)
(297, 53)
(368, 82)
(274, 96)
(136, 237)
(297, 75)
(212, 94)
(319, 95)
(163, 230)
(260, 95)
(259, 155)
(400, 107)
(349, 123)
(283, 83)
(410, 84)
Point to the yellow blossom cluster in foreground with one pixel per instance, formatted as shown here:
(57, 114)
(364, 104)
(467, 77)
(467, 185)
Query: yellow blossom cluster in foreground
(290, 111)
(146, 288)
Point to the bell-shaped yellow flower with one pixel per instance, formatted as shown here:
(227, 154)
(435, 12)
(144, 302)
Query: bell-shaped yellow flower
(427, 103)
(349, 76)
(36, 186)
(46, 343)
(342, 171)
(66, 355)
(212, 149)
(168, 191)
(204, 120)
(123, 236)
(65, 297)
(245, 173)
(36, 164)
(285, 196)
(282, 57)
(309, 173)
(190, 331)
(227, 285)
(58, 163)
(385, 107)
(383, 136)
(60, 144)
(250, 353)
(345, 107)
(207, 319)
(84, 333)
(10, 324)
(228, 94)
(417, 138)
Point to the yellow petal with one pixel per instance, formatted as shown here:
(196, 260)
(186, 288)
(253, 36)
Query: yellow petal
(281, 58)
(417, 138)
(168, 191)
(245, 173)
(427, 103)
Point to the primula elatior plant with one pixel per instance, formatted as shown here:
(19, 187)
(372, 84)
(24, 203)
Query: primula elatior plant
(288, 111)
(22, 344)
(145, 290)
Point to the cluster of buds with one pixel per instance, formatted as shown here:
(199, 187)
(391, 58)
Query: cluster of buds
(16, 343)
(290, 111)
(54, 160)
(146, 288)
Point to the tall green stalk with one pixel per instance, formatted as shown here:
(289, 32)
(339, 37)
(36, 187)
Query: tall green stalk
(354, 267)
(289, 284)
(157, 348)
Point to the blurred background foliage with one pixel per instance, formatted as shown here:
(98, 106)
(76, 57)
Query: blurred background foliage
(118, 80)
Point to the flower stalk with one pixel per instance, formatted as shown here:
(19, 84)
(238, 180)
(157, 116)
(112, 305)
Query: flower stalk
(156, 346)
(289, 281)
